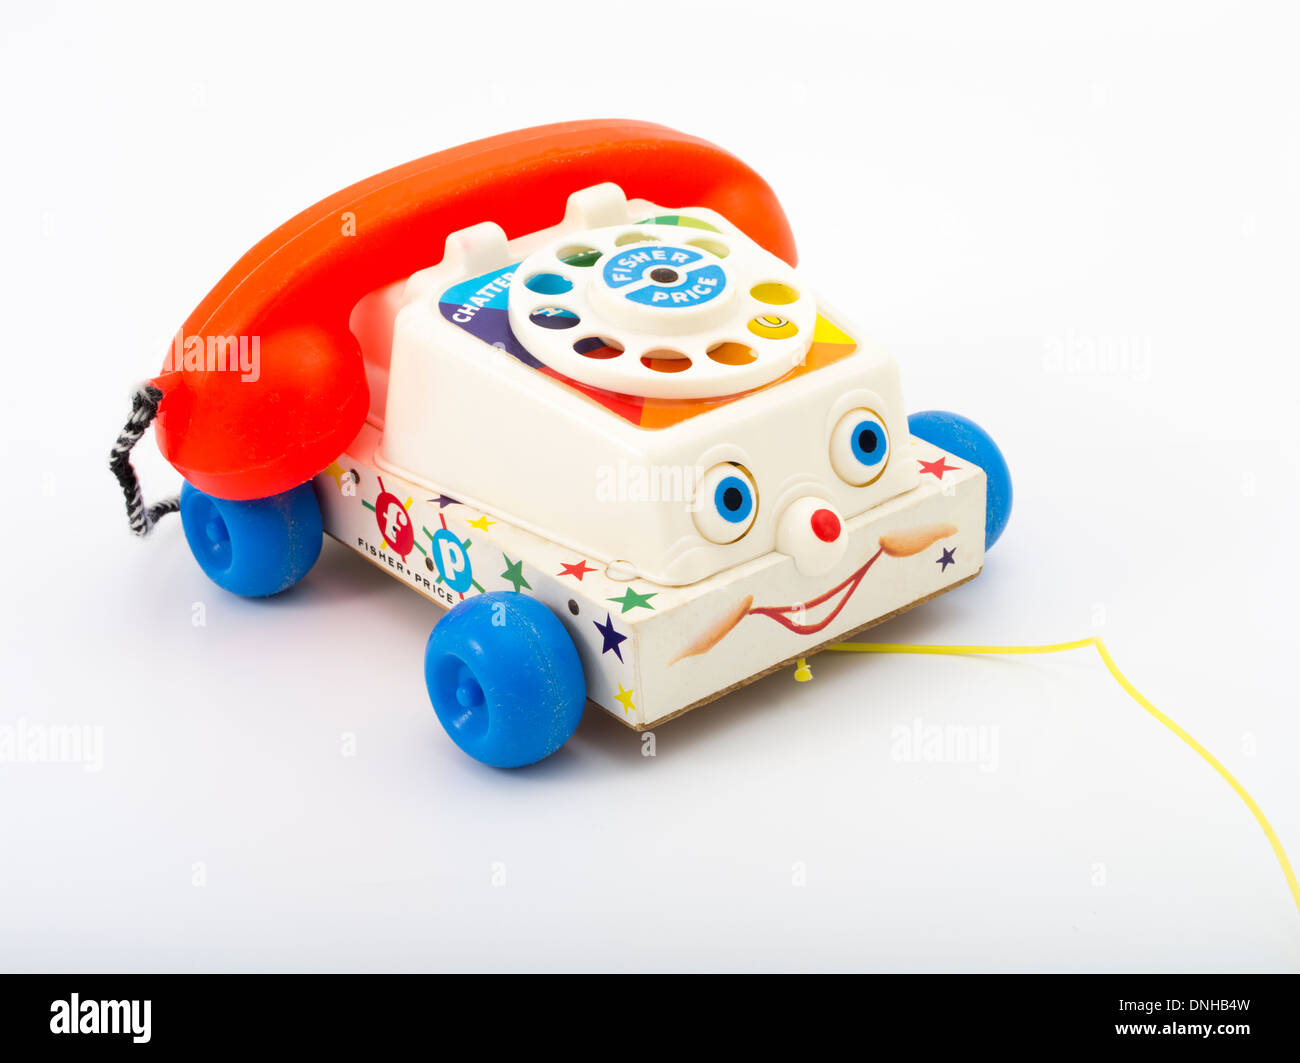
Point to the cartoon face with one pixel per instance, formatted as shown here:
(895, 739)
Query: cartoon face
(810, 528)
(791, 471)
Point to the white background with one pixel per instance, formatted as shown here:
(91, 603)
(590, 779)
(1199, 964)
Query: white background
(1079, 227)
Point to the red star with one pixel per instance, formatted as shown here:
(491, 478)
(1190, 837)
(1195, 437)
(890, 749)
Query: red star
(938, 468)
(578, 568)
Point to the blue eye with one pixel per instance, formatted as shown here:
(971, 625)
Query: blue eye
(733, 500)
(869, 441)
(860, 447)
(725, 503)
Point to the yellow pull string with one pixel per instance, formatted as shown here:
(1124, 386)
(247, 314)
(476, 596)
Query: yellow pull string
(1130, 689)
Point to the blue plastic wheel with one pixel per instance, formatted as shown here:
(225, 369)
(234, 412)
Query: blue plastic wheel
(963, 438)
(254, 548)
(505, 679)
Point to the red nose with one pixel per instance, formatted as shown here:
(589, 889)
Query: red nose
(825, 525)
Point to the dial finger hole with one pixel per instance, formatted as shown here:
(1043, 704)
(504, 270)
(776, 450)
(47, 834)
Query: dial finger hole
(665, 360)
(772, 327)
(713, 247)
(774, 293)
(598, 347)
(635, 238)
(548, 284)
(730, 353)
(578, 255)
(553, 317)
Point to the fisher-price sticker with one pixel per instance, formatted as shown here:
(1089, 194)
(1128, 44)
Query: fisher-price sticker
(665, 276)
(452, 559)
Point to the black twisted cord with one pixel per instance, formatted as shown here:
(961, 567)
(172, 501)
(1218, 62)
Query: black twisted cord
(144, 408)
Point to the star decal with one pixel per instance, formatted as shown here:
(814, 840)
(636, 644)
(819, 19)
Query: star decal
(444, 501)
(578, 569)
(631, 600)
(482, 524)
(946, 559)
(612, 638)
(937, 468)
(514, 574)
(624, 698)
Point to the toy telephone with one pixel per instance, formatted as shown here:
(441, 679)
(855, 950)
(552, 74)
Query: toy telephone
(571, 373)
(296, 288)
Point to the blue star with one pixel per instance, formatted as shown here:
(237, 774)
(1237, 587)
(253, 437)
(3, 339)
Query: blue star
(443, 501)
(946, 559)
(612, 638)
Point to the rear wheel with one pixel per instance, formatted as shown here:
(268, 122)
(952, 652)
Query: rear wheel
(505, 679)
(963, 438)
(257, 547)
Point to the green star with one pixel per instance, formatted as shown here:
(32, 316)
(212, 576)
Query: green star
(514, 573)
(630, 600)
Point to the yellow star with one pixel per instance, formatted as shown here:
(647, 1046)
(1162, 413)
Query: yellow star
(624, 698)
(482, 524)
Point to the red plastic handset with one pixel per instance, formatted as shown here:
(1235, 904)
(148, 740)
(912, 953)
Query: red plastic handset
(240, 438)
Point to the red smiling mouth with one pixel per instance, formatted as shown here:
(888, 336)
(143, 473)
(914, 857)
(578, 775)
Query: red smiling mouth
(903, 543)
(783, 614)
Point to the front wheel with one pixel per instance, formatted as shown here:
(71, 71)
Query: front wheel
(505, 679)
(963, 438)
(254, 548)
